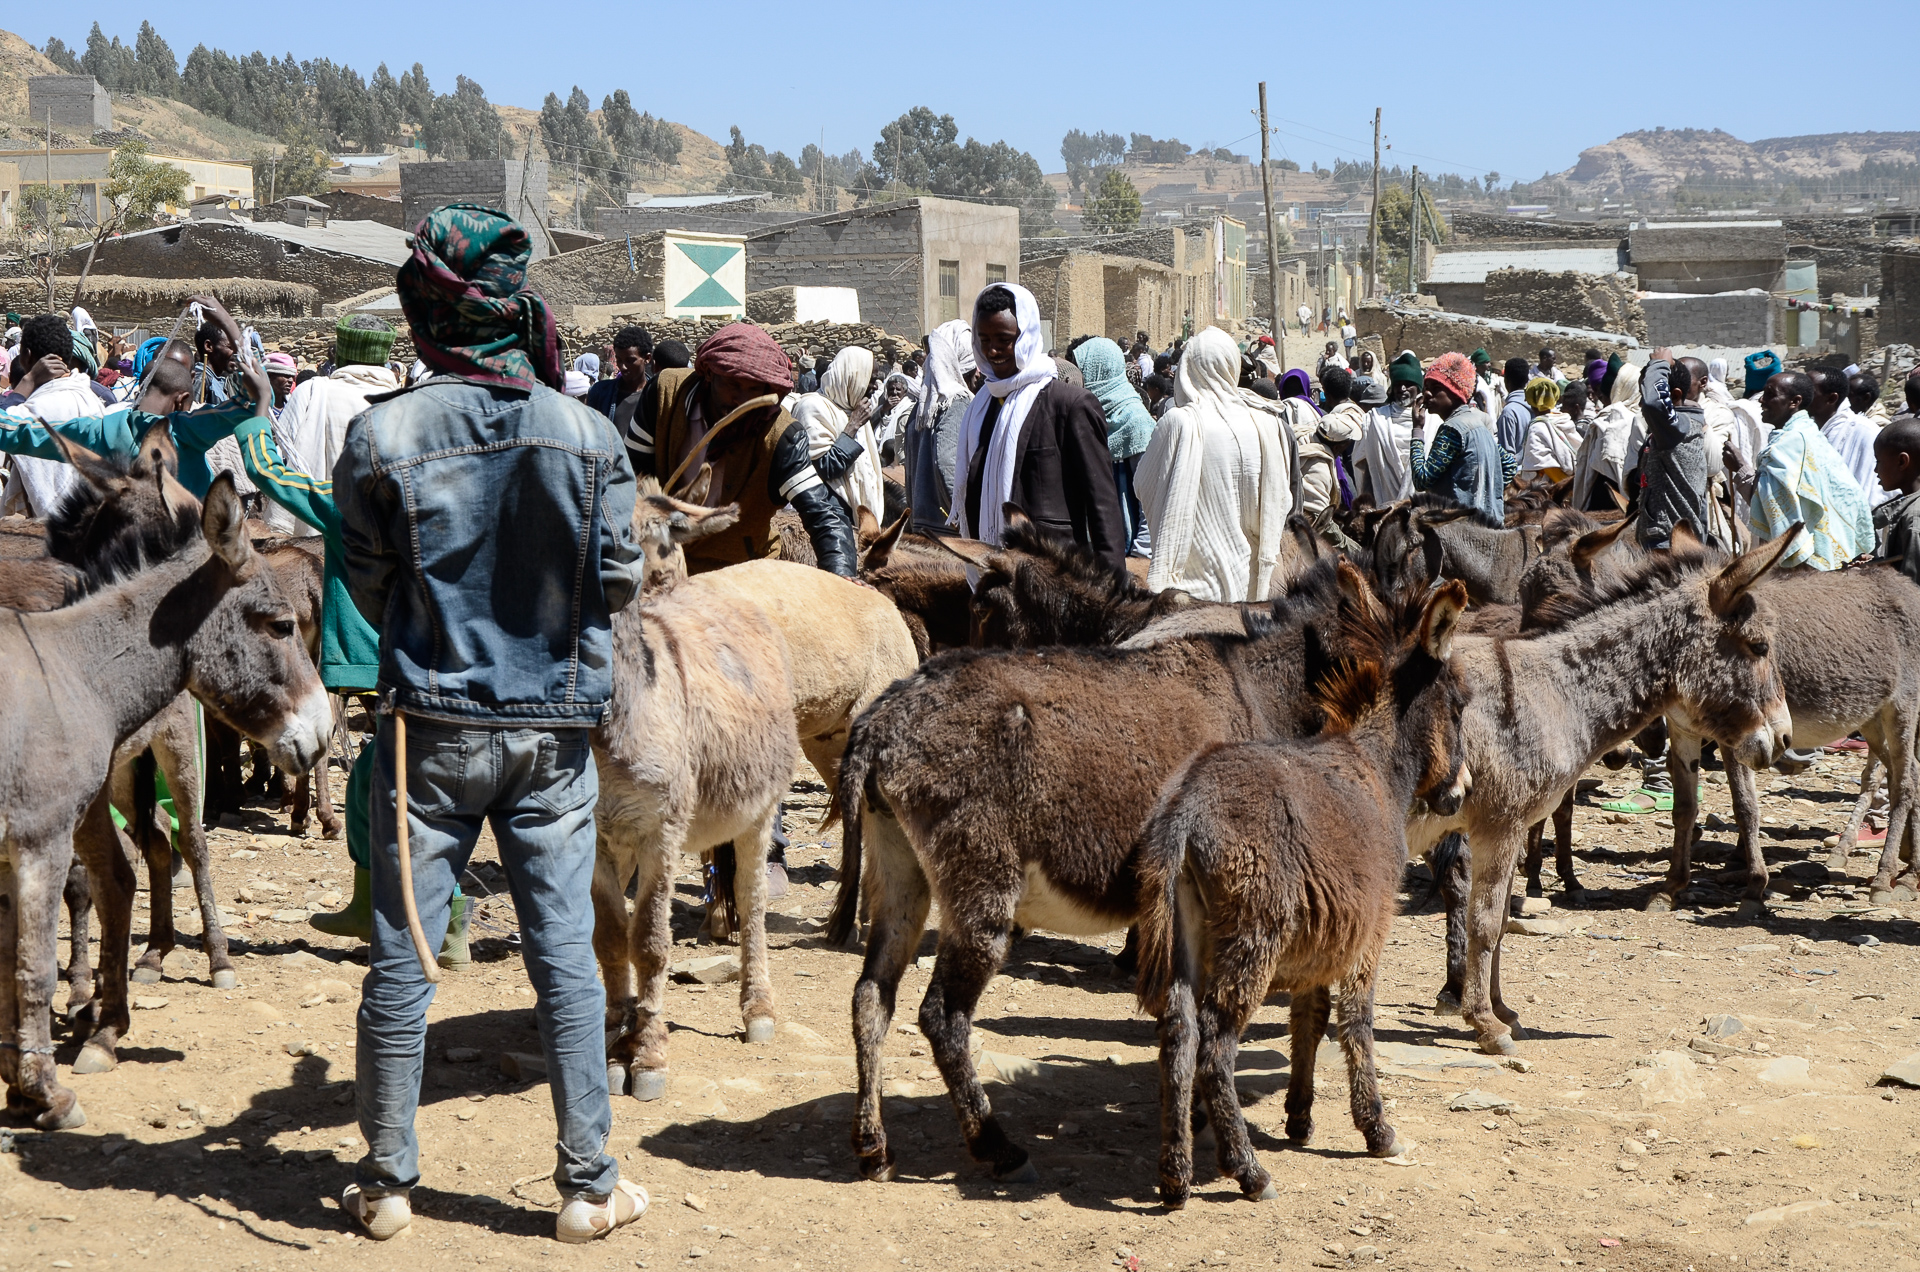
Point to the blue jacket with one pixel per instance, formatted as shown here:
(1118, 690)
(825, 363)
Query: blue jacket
(487, 534)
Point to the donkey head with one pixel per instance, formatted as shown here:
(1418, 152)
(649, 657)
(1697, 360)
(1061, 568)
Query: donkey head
(1040, 588)
(121, 516)
(1727, 685)
(662, 524)
(1408, 555)
(246, 661)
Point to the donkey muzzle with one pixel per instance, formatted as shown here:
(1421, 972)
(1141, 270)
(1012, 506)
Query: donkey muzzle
(305, 733)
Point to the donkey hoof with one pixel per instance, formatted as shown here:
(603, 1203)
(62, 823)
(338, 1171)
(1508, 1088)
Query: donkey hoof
(94, 1059)
(1660, 903)
(146, 975)
(1267, 1192)
(1025, 1173)
(1880, 896)
(1395, 1145)
(649, 1084)
(1750, 909)
(226, 978)
(1173, 1198)
(881, 1170)
(1500, 1044)
(58, 1119)
(616, 1079)
(1446, 1003)
(760, 1029)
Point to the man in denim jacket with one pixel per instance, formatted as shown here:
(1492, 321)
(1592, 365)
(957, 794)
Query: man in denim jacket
(485, 519)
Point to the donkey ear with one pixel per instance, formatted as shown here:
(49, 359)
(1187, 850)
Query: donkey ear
(1594, 542)
(156, 447)
(1683, 538)
(687, 522)
(224, 522)
(972, 551)
(1619, 500)
(878, 551)
(1441, 618)
(1353, 585)
(701, 486)
(97, 471)
(866, 525)
(1017, 518)
(1741, 573)
(1433, 553)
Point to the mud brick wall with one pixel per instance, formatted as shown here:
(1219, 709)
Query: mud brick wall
(602, 275)
(1567, 298)
(216, 249)
(1432, 332)
(1899, 312)
(878, 255)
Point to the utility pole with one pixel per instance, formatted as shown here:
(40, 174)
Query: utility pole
(1413, 234)
(1373, 218)
(1273, 249)
(50, 256)
(272, 171)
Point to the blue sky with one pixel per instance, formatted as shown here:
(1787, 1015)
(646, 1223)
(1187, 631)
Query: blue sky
(1571, 78)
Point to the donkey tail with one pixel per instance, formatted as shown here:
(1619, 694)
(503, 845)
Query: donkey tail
(855, 764)
(1165, 959)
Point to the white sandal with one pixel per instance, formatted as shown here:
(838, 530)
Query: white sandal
(582, 1220)
(382, 1217)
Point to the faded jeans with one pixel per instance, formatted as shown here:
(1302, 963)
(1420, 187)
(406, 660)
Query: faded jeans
(537, 788)
(1139, 537)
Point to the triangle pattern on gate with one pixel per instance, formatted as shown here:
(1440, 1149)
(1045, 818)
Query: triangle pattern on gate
(710, 258)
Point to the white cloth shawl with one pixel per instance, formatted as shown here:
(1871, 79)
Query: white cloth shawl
(312, 428)
(1034, 370)
(1217, 519)
(37, 485)
(824, 415)
(1613, 442)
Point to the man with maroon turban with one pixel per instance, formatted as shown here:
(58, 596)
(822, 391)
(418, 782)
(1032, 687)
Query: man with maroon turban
(689, 417)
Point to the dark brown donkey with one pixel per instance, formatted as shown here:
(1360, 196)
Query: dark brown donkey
(1681, 634)
(1275, 865)
(202, 616)
(1014, 787)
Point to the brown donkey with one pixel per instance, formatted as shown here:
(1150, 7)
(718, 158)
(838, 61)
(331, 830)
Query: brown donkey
(1679, 636)
(697, 750)
(203, 616)
(1275, 865)
(1013, 786)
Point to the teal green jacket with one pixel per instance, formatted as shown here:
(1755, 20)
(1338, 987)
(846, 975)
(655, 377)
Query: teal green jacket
(118, 432)
(349, 646)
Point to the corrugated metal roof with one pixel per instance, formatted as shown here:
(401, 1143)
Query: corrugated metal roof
(1473, 267)
(695, 200)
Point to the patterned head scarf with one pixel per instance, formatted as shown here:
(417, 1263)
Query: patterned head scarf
(465, 295)
(1453, 373)
(745, 352)
(1543, 394)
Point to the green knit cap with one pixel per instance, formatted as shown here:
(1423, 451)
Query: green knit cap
(361, 339)
(1405, 369)
(1481, 358)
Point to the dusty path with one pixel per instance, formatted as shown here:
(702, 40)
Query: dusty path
(224, 1135)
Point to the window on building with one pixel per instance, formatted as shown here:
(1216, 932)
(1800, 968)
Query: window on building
(996, 273)
(949, 290)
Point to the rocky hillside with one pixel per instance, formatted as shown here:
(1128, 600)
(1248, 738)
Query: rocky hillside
(1649, 164)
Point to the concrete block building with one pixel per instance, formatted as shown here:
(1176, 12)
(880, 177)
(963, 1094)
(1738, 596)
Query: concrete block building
(1096, 294)
(674, 273)
(515, 186)
(916, 262)
(706, 213)
(1208, 256)
(75, 104)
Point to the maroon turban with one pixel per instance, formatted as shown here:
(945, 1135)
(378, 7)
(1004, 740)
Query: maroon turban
(746, 352)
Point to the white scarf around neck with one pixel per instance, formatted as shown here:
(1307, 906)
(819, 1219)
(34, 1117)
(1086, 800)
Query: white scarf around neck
(1034, 370)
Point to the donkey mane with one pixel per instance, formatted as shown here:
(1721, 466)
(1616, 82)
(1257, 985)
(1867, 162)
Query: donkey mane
(1428, 501)
(95, 534)
(1656, 572)
(1076, 561)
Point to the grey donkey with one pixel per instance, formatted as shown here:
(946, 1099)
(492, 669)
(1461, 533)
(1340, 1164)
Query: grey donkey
(204, 616)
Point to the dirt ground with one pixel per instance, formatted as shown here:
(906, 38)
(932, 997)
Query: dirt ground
(225, 1135)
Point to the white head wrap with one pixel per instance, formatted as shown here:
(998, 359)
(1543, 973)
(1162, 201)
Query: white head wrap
(1034, 369)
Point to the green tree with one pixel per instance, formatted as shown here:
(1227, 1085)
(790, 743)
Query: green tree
(137, 187)
(63, 57)
(750, 167)
(920, 151)
(301, 166)
(157, 71)
(1114, 207)
(1394, 213)
(636, 136)
(462, 124)
(1086, 153)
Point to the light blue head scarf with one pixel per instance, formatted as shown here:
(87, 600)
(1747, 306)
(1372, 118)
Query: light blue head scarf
(1129, 426)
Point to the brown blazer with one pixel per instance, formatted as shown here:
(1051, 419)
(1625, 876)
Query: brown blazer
(1063, 477)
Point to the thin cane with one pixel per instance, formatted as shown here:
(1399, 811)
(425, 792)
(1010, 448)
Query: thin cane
(429, 965)
(752, 404)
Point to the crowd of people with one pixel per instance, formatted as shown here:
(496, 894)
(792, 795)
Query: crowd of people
(1186, 462)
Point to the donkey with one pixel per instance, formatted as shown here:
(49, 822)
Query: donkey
(1485, 555)
(696, 751)
(923, 580)
(1276, 864)
(1680, 637)
(1014, 787)
(203, 615)
(1871, 684)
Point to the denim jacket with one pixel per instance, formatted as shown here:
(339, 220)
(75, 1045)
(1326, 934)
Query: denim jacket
(488, 538)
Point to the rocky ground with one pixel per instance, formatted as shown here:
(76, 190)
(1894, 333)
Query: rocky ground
(1695, 1092)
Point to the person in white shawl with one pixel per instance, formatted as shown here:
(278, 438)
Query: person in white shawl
(839, 437)
(1552, 435)
(35, 486)
(1214, 482)
(1611, 445)
(933, 434)
(312, 428)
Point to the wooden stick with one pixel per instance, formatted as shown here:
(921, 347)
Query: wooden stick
(429, 965)
(706, 439)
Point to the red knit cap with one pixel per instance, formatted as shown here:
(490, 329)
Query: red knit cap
(1455, 373)
(746, 352)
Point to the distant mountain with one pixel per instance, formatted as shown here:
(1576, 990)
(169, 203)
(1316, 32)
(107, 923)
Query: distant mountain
(1649, 164)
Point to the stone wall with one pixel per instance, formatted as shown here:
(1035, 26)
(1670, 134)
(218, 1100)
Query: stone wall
(1431, 332)
(351, 205)
(1899, 311)
(1484, 227)
(111, 298)
(1095, 294)
(876, 252)
(517, 187)
(223, 249)
(79, 105)
(1733, 320)
(602, 275)
(1600, 302)
(1705, 259)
